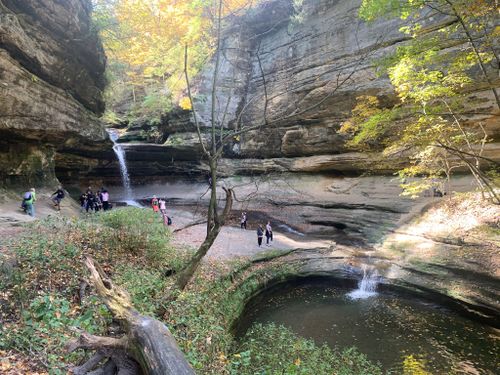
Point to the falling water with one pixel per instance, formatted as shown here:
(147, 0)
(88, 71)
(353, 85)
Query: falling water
(290, 230)
(367, 286)
(120, 154)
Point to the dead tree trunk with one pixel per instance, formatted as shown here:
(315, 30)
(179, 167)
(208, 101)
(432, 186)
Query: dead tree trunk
(147, 345)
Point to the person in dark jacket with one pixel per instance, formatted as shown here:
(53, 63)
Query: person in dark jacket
(57, 197)
(260, 234)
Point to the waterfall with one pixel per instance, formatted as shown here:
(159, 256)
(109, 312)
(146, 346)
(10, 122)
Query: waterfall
(120, 155)
(367, 286)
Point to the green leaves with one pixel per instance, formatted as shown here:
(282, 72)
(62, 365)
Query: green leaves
(432, 75)
(271, 349)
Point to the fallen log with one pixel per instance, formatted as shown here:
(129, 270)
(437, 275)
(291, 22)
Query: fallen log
(147, 347)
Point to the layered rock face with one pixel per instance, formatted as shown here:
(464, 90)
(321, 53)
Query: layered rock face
(51, 81)
(298, 72)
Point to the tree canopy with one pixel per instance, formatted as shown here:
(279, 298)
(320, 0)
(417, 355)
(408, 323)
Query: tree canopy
(144, 41)
(434, 122)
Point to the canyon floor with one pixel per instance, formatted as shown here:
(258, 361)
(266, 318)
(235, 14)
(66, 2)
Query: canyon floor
(451, 245)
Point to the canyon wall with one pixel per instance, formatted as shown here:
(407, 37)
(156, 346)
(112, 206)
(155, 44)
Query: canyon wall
(297, 72)
(51, 81)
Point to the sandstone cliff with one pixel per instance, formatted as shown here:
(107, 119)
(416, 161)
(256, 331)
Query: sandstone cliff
(310, 71)
(51, 81)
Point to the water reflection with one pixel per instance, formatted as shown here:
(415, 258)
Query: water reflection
(387, 328)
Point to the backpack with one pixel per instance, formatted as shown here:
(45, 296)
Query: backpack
(27, 196)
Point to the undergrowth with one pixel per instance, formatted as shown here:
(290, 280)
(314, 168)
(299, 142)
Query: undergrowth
(267, 349)
(39, 299)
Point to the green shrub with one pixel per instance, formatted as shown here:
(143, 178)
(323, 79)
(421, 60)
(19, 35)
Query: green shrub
(38, 299)
(271, 349)
(44, 328)
(142, 232)
(146, 287)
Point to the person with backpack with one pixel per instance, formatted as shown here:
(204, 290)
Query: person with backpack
(269, 233)
(57, 197)
(26, 197)
(166, 220)
(28, 204)
(260, 234)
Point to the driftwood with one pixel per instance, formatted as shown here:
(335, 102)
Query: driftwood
(148, 347)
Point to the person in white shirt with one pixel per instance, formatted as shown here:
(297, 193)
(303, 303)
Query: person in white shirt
(269, 233)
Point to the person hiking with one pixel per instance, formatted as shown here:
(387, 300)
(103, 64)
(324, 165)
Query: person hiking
(57, 197)
(29, 199)
(105, 199)
(163, 206)
(162, 203)
(243, 221)
(89, 202)
(26, 197)
(260, 234)
(155, 204)
(269, 233)
(97, 203)
(83, 201)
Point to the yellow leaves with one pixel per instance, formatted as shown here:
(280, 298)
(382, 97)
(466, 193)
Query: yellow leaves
(147, 38)
(222, 357)
(297, 362)
(185, 103)
(5, 365)
(413, 366)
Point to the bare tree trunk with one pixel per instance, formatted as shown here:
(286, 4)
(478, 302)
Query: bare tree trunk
(147, 344)
(188, 271)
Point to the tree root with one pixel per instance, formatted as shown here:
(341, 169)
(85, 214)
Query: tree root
(147, 347)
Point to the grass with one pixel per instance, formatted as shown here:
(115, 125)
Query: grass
(39, 299)
(266, 349)
(39, 295)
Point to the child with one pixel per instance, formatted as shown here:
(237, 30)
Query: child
(57, 197)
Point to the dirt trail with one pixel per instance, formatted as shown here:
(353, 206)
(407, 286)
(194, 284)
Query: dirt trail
(234, 242)
(12, 217)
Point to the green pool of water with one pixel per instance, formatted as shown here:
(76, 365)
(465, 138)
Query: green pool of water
(386, 327)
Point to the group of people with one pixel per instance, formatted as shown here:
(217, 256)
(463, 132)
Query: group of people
(90, 201)
(160, 205)
(268, 232)
(29, 199)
